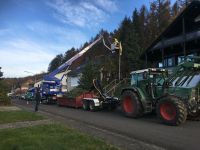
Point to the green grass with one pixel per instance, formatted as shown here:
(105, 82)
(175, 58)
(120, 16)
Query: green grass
(50, 137)
(16, 116)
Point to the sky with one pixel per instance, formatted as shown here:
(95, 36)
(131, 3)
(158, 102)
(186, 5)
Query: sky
(33, 32)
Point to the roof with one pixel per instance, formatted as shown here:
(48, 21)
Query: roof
(172, 34)
(146, 70)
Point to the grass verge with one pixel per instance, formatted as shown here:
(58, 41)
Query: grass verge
(16, 116)
(52, 137)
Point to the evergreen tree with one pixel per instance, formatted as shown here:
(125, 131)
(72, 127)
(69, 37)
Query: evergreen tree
(55, 63)
(135, 34)
(90, 72)
(175, 10)
(152, 25)
(143, 26)
(69, 54)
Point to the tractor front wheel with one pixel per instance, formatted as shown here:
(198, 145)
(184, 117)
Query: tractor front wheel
(131, 106)
(171, 111)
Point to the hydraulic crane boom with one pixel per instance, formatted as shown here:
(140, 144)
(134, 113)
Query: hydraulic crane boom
(51, 76)
(51, 85)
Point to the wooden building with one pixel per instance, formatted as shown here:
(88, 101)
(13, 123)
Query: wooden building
(181, 38)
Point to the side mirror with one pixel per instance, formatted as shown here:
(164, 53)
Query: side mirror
(145, 75)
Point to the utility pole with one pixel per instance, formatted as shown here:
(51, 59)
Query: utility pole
(118, 45)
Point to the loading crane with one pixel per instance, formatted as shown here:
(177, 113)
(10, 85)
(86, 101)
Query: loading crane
(51, 85)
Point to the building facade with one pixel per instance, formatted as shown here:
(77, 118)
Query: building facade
(181, 38)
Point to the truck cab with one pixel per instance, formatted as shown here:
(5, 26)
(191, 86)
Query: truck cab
(49, 90)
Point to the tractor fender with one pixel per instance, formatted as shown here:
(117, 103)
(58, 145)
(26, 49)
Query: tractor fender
(166, 95)
(139, 92)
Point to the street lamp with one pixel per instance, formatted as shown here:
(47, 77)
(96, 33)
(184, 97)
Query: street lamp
(32, 74)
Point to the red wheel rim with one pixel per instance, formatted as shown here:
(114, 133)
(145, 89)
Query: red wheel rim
(128, 104)
(168, 111)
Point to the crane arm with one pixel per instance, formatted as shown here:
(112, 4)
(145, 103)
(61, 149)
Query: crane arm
(51, 76)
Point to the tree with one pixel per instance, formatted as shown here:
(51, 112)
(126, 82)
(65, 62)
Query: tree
(55, 63)
(69, 54)
(130, 43)
(89, 73)
(175, 10)
(1, 73)
(143, 27)
(136, 33)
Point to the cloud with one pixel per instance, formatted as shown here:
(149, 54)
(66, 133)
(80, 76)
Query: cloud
(34, 46)
(83, 13)
(108, 5)
(20, 55)
(67, 37)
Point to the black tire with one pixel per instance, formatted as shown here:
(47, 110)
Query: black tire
(92, 106)
(171, 111)
(192, 115)
(131, 105)
(85, 105)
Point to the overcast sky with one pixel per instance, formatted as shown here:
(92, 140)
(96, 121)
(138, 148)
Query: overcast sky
(33, 32)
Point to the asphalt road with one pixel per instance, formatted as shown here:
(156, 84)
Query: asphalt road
(147, 129)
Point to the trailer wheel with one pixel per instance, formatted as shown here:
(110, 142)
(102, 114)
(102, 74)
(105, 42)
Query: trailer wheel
(85, 105)
(131, 106)
(192, 115)
(171, 111)
(92, 106)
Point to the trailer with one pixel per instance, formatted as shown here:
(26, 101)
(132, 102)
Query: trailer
(90, 101)
(102, 101)
(76, 102)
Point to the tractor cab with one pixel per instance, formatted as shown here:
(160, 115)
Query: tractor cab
(149, 81)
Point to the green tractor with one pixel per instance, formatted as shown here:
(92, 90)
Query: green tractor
(174, 97)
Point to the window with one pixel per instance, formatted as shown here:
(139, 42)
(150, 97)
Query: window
(160, 64)
(133, 79)
(170, 62)
(136, 77)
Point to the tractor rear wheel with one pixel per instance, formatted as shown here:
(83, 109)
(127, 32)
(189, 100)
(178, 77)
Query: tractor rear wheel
(171, 111)
(131, 105)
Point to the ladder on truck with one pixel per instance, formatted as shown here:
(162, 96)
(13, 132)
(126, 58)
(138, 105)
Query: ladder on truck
(111, 88)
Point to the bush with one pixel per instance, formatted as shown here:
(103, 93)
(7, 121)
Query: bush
(4, 99)
(74, 93)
